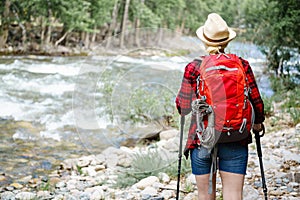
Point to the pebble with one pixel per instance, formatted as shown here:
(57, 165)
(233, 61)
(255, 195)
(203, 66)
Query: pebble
(2, 178)
(146, 182)
(98, 173)
(16, 185)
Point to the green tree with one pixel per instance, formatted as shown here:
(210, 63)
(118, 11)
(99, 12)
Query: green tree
(102, 18)
(195, 14)
(169, 11)
(278, 34)
(37, 12)
(73, 14)
(4, 21)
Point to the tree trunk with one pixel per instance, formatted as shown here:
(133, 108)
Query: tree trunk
(24, 37)
(137, 32)
(137, 29)
(87, 40)
(124, 24)
(113, 23)
(160, 36)
(43, 30)
(62, 38)
(49, 28)
(181, 30)
(93, 39)
(4, 24)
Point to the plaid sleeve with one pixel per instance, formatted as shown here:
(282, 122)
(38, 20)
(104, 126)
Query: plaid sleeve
(254, 96)
(186, 92)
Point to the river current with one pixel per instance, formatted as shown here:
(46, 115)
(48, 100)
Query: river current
(53, 108)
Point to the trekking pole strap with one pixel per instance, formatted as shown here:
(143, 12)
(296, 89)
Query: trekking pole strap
(257, 139)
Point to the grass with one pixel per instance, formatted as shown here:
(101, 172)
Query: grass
(79, 169)
(150, 163)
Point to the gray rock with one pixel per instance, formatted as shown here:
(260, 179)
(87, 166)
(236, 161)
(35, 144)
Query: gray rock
(191, 179)
(148, 192)
(99, 160)
(7, 196)
(168, 134)
(84, 161)
(164, 177)
(70, 197)
(142, 184)
(112, 161)
(60, 184)
(71, 184)
(97, 195)
(84, 196)
(294, 184)
(278, 181)
(111, 150)
(44, 195)
(167, 194)
(90, 171)
(297, 177)
(25, 196)
(249, 193)
(190, 196)
(172, 144)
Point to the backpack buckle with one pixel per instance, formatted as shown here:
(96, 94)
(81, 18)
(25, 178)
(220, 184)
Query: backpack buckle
(228, 130)
(243, 125)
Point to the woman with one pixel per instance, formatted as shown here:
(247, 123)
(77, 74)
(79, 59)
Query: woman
(233, 156)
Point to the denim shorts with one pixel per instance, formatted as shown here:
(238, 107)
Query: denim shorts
(231, 157)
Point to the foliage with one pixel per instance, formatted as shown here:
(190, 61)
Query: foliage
(46, 186)
(287, 94)
(100, 12)
(268, 106)
(147, 17)
(277, 33)
(292, 106)
(149, 103)
(79, 169)
(172, 170)
(188, 187)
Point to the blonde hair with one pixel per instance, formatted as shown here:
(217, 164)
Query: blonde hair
(215, 49)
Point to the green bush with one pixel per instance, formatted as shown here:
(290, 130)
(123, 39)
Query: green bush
(286, 92)
(268, 106)
(149, 103)
(172, 170)
(150, 163)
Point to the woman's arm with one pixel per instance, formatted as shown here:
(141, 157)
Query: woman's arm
(254, 94)
(186, 92)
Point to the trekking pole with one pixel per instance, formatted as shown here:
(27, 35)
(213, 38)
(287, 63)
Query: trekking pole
(182, 119)
(259, 153)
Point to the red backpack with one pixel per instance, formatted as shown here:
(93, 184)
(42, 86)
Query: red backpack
(223, 85)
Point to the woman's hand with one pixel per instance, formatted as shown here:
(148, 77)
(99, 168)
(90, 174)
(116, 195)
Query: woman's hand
(257, 128)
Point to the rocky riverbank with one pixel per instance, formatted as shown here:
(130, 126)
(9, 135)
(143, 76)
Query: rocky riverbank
(97, 176)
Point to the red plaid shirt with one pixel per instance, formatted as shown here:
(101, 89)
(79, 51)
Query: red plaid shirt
(187, 94)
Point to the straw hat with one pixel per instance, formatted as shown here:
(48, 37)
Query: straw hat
(215, 31)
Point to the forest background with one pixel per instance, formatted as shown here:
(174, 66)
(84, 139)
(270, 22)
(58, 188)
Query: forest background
(37, 26)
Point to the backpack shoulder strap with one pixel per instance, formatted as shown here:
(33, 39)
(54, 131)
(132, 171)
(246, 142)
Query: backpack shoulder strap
(199, 60)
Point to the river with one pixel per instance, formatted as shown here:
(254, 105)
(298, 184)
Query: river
(53, 108)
